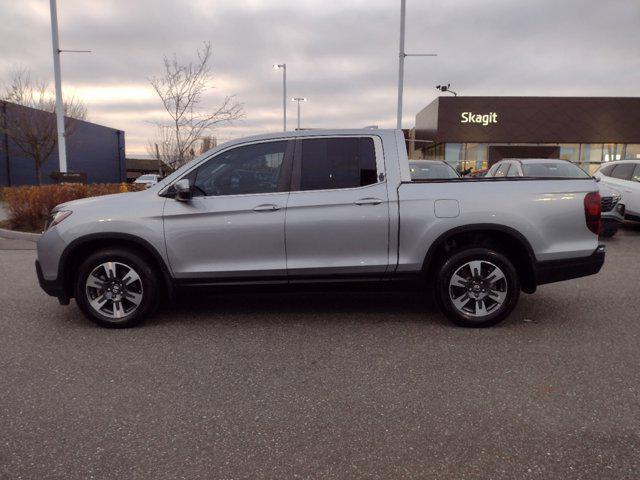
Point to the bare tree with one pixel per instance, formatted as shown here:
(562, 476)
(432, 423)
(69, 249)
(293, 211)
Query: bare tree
(207, 144)
(181, 88)
(32, 130)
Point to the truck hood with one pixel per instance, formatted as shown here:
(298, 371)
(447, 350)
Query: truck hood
(91, 202)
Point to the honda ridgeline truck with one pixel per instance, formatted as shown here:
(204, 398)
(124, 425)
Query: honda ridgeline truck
(320, 206)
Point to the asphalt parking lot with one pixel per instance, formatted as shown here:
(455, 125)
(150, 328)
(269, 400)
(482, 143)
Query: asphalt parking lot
(334, 385)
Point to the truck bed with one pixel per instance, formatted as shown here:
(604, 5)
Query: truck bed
(548, 213)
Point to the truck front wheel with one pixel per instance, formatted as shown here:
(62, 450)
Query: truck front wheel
(116, 288)
(477, 287)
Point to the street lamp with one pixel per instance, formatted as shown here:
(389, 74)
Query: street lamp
(62, 150)
(402, 56)
(283, 66)
(55, 43)
(446, 88)
(298, 99)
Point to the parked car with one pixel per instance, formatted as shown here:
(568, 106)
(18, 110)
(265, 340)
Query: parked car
(148, 180)
(320, 206)
(624, 175)
(431, 170)
(536, 168)
(612, 210)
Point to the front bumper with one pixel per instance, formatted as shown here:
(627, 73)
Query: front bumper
(566, 269)
(614, 217)
(54, 288)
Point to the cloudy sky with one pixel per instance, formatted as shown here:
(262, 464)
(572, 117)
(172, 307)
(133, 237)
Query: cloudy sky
(341, 54)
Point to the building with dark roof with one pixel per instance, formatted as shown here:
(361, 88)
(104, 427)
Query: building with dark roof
(475, 132)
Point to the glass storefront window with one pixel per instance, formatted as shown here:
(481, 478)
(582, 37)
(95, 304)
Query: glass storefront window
(570, 152)
(591, 152)
(434, 152)
(612, 152)
(475, 156)
(632, 152)
(453, 154)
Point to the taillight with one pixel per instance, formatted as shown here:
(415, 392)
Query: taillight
(592, 211)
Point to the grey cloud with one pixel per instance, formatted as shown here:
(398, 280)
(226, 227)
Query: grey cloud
(342, 55)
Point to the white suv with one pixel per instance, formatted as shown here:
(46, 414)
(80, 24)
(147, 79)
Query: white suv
(624, 176)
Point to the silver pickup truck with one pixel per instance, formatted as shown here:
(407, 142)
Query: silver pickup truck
(320, 207)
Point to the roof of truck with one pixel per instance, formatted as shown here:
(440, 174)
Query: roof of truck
(312, 132)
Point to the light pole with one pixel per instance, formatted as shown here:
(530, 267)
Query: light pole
(298, 99)
(402, 56)
(62, 148)
(283, 66)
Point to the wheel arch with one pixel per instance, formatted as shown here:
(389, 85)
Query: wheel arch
(507, 240)
(79, 248)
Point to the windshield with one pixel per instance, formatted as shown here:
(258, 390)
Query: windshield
(553, 170)
(431, 170)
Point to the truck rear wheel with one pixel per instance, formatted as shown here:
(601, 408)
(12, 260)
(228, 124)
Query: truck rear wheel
(477, 287)
(609, 232)
(116, 288)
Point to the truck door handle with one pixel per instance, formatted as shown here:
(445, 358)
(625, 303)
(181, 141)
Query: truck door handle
(267, 207)
(368, 201)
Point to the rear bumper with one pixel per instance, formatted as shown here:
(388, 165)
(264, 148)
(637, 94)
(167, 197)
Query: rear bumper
(54, 288)
(566, 269)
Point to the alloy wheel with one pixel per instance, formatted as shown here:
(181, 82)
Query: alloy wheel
(478, 288)
(114, 290)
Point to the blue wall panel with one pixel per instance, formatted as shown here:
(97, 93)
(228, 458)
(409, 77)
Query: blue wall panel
(94, 149)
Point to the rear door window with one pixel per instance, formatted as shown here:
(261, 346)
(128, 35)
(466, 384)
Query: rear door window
(624, 171)
(333, 163)
(636, 174)
(606, 170)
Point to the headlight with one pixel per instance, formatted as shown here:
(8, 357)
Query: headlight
(55, 217)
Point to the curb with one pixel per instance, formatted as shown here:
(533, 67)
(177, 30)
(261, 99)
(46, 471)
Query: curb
(14, 235)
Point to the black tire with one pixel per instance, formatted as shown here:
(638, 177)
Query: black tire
(132, 313)
(471, 314)
(609, 232)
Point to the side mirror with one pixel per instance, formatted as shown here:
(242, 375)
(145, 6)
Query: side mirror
(597, 179)
(183, 190)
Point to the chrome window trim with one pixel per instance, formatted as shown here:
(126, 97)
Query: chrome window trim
(377, 144)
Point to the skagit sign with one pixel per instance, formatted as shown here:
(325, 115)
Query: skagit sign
(530, 120)
(479, 118)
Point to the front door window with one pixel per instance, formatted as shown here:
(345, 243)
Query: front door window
(249, 169)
